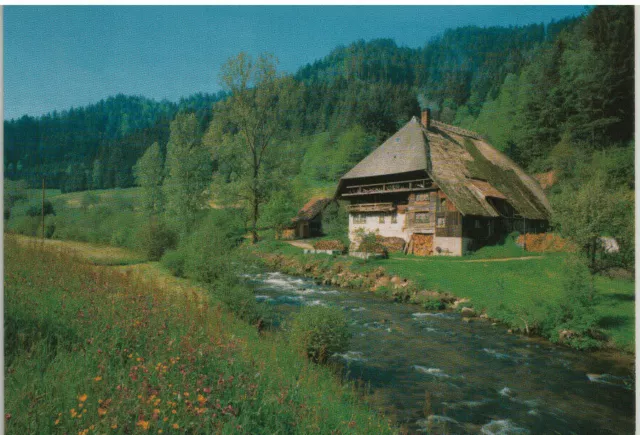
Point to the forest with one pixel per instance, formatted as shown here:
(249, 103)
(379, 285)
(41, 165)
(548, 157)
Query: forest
(554, 97)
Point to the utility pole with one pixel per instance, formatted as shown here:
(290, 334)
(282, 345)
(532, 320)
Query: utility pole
(42, 208)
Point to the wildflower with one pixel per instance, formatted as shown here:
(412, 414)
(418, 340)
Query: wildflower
(173, 411)
(82, 398)
(73, 413)
(201, 399)
(114, 426)
(97, 378)
(143, 424)
(101, 412)
(57, 422)
(175, 426)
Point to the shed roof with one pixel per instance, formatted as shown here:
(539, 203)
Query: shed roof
(311, 209)
(462, 163)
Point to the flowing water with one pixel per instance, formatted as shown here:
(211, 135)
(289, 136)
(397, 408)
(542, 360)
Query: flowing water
(438, 374)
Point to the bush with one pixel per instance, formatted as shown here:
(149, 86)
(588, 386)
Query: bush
(240, 300)
(174, 261)
(36, 209)
(319, 332)
(154, 238)
(209, 253)
(370, 244)
(574, 321)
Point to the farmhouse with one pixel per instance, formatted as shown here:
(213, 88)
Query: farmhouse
(444, 190)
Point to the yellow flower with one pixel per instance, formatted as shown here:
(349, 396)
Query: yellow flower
(73, 413)
(143, 424)
(82, 398)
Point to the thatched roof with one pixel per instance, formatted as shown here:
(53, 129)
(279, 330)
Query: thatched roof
(462, 163)
(311, 209)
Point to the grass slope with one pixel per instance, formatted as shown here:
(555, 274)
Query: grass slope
(95, 349)
(518, 284)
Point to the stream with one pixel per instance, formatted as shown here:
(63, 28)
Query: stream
(438, 374)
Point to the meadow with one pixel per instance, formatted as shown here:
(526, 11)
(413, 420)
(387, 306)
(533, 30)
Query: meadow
(93, 348)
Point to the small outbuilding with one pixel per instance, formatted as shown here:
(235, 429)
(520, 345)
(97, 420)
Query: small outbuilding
(308, 221)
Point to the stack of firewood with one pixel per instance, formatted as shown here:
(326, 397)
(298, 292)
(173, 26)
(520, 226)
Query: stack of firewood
(393, 244)
(420, 244)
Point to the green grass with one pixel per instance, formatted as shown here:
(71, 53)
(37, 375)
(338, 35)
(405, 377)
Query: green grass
(525, 285)
(108, 350)
(517, 284)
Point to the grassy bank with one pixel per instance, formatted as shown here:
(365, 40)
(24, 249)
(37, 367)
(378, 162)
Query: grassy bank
(95, 349)
(513, 291)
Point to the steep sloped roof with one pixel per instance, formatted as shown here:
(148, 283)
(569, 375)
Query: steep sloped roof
(462, 163)
(402, 152)
(311, 209)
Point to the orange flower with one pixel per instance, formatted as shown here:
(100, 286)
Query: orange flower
(57, 422)
(82, 398)
(102, 412)
(97, 378)
(143, 424)
(201, 399)
(175, 426)
(114, 426)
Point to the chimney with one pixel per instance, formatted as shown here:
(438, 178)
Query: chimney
(426, 118)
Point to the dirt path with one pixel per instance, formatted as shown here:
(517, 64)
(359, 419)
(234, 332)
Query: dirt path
(537, 257)
(486, 260)
(300, 244)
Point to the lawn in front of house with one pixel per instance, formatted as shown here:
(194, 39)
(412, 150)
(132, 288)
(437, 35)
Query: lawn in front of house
(527, 285)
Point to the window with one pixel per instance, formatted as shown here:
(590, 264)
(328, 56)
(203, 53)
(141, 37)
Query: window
(421, 218)
(359, 219)
(443, 204)
(442, 222)
(381, 219)
(422, 197)
(477, 223)
(394, 218)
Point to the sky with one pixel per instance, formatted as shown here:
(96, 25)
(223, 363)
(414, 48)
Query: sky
(58, 57)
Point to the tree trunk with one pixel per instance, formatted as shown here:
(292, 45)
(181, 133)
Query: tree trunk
(254, 200)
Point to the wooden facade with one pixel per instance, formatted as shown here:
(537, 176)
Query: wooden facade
(420, 186)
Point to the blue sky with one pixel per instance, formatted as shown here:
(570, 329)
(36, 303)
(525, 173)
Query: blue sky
(59, 57)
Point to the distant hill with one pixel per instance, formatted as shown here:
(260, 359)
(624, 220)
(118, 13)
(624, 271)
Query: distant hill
(114, 131)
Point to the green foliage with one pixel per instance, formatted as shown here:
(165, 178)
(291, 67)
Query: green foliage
(92, 325)
(369, 243)
(247, 127)
(174, 261)
(433, 304)
(188, 173)
(594, 209)
(210, 250)
(154, 238)
(575, 313)
(241, 301)
(149, 174)
(38, 209)
(335, 221)
(278, 212)
(319, 332)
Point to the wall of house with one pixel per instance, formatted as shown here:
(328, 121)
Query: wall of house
(452, 246)
(372, 224)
